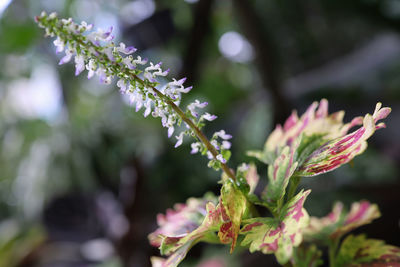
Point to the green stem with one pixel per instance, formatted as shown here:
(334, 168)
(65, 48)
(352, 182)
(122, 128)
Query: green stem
(333, 246)
(193, 126)
(293, 184)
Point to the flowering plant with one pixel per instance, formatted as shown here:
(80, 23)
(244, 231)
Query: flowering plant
(306, 146)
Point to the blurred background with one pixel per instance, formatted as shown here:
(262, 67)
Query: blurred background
(82, 176)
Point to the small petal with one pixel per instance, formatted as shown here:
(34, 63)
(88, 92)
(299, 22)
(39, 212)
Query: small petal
(59, 44)
(221, 158)
(67, 57)
(195, 147)
(226, 144)
(208, 116)
(126, 50)
(222, 135)
(122, 85)
(180, 139)
(215, 144)
(170, 131)
(79, 64)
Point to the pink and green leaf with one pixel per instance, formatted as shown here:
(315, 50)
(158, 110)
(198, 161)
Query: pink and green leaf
(205, 232)
(360, 251)
(338, 222)
(181, 220)
(279, 174)
(313, 122)
(183, 227)
(278, 236)
(325, 144)
(252, 177)
(341, 150)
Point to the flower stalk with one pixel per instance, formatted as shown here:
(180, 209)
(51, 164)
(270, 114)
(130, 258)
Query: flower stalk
(95, 51)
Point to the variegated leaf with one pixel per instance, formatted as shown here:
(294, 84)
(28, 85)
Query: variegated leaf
(233, 207)
(307, 256)
(343, 149)
(181, 228)
(313, 122)
(325, 143)
(279, 174)
(181, 220)
(360, 251)
(338, 222)
(252, 177)
(205, 232)
(278, 236)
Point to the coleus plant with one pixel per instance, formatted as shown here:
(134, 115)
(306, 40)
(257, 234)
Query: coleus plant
(306, 146)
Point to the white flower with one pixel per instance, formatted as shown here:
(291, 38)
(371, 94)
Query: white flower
(208, 116)
(215, 144)
(196, 104)
(53, 15)
(109, 52)
(122, 85)
(226, 145)
(222, 135)
(126, 50)
(104, 78)
(170, 131)
(221, 158)
(68, 55)
(195, 147)
(84, 26)
(147, 105)
(140, 61)
(60, 44)
(128, 62)
(243, 167)
(180, 139)
(79, 64)
(91, 67)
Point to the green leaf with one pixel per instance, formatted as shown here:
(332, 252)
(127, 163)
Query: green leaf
(233, 207)
(264, 156)
(360, 251)
(278, 236)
